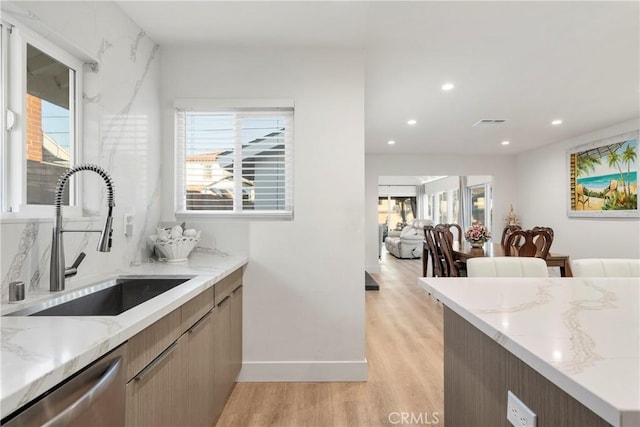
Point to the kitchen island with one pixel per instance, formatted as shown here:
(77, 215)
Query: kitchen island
(569, 348)
(39, 352)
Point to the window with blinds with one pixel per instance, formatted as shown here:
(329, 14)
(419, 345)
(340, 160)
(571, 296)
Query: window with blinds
(234, 161)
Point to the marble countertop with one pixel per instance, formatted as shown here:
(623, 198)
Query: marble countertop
(39, 352)
(582, 334)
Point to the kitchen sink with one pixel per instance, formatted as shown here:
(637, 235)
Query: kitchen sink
(108, 298)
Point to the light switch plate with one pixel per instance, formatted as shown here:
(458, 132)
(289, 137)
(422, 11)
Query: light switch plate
(518, 414)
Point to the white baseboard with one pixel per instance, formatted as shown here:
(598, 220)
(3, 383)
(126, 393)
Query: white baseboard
(303, 371)
(372, 269)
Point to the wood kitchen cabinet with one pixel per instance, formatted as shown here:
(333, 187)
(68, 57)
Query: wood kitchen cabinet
(222, 387)
(197, 321)
(200, 366)
(186, 364)
(235, 335)
(157, 396)
(228, 341)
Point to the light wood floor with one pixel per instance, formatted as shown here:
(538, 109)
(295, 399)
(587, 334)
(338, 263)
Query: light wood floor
(405, 355)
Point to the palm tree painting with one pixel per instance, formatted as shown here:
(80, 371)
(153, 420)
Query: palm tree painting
(604, 177)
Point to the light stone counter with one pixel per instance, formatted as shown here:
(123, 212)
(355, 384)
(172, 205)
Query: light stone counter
(39, 352)
(581, 334)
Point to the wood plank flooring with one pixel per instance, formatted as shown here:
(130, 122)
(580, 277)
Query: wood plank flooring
(405, 355)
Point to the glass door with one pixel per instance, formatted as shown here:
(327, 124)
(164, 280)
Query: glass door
(396, 212)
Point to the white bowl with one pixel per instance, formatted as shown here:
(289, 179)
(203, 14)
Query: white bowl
(175, 250)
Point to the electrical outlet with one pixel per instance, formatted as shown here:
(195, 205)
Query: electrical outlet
(518, 414)
(128, 224)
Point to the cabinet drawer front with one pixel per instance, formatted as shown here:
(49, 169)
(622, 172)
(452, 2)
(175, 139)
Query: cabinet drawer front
(149, 343)
(227, 285)
(195, 308)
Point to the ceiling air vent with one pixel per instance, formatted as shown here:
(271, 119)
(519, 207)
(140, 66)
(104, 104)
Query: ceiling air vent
(488, 122)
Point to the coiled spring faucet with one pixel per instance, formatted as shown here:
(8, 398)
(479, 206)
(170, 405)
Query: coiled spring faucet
(58, 271)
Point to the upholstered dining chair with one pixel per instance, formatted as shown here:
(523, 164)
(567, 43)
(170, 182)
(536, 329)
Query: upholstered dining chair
(506, 267)
(606, 267)
(444, 239)
(432, 249)
(529, 243)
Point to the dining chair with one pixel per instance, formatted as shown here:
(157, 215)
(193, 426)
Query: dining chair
(444, 239)
(434, 253)
(506, 267)
(529, 243)
(547, 229)
(606, 267)
(455, 230)
(538, 241)
(506, 233)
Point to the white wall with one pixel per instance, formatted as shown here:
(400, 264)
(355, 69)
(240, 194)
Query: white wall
(396, 191)
(502, 169)
(443, 184)
(398, 180)
(121, 132)
(304, 284)
(542, 200)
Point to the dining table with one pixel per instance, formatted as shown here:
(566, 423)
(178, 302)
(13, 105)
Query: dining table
(463, 252)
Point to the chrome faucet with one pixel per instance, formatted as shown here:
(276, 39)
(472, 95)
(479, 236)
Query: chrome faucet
(58, 272)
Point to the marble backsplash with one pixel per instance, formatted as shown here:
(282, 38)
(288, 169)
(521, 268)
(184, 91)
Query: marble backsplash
(120, 132)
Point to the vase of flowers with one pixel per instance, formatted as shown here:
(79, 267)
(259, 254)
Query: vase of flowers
(477, 235)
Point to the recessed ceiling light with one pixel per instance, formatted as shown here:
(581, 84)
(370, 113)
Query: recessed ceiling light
(447, 86)
(556, 122)
(505, 143)
(391, 142)
(411, 122)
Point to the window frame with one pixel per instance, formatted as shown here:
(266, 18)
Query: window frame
(13, 145)
(223, 106)
(488, 207)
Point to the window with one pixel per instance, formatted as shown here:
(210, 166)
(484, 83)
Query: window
(234, 161)
(455, 205)
(443, 208)
(396, 212)
(47, 124)
(480, 197)
(41, 87)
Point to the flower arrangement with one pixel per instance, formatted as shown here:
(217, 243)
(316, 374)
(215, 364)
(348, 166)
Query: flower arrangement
(477, 234)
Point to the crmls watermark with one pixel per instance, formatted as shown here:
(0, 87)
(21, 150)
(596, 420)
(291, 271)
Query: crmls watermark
(426, 418)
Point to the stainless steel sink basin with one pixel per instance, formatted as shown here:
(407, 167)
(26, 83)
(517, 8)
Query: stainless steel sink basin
(105, 299)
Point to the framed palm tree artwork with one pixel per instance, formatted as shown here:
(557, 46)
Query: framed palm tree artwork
(603, 177)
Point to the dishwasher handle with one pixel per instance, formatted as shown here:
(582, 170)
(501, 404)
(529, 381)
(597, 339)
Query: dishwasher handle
(71, 412)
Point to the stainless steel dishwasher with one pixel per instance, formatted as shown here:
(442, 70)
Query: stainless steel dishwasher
(94, 397)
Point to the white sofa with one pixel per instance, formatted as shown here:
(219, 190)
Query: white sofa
(407, 243)
(606, 267)
(507, 267)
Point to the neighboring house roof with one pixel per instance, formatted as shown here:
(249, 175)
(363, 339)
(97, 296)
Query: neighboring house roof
(204, 157)
(52, 152)
(226, 160)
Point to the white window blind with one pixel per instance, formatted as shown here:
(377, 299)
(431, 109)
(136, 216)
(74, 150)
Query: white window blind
(234, 161)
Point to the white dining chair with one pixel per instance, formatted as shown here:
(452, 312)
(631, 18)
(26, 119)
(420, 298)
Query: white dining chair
(606, 267)
(507, 267)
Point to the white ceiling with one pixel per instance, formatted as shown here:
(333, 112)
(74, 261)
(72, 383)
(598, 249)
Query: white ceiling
(526, 62)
